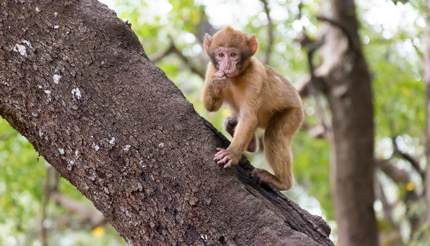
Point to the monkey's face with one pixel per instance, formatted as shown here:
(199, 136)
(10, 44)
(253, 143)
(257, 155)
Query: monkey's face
(230, 51)
(227, 62)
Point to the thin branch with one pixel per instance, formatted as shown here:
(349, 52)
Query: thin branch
(407, 157)
(313, 83)
(187, 61)
(51, 184)
(270, 35)
(419, 52)
(44, 212)
(387, 207)
(172, 49)
(163, 54)
(316, 83)
(398, 175)
(85, 213)
(351, 41)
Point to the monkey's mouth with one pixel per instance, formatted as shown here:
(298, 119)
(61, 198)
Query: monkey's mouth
(231, 74)
(228, 71)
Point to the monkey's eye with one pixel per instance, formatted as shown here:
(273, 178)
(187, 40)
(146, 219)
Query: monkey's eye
(233, 54)
(221, 55)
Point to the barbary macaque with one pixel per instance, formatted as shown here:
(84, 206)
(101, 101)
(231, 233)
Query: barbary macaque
(259, 97)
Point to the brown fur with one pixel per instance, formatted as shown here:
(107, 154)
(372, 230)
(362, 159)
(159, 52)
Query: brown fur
(259, 98)
(229, 38)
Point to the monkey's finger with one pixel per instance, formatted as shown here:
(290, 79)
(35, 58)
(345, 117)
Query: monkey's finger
(221, 160)
(228, 164)
(219, 155)
(225, 159)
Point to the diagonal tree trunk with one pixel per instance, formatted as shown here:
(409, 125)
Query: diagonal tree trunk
(349, 96)
(76, 82)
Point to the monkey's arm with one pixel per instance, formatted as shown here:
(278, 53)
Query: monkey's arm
(243, 134)
(230, 125)
(212, 94)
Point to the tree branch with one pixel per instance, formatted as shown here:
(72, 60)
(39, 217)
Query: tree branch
(387, 208)
(398, 175)
(164, 54)
(407, 157)
(172, 49)
(51, 183)
(270, 35)
(315, 83)
(351, 40)
(187, 61)
(85, 213)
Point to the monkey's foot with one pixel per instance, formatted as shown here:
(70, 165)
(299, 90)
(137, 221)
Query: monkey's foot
(264, 177)
(225, 158)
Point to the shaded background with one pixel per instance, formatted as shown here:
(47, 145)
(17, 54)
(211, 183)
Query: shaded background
(39, 208)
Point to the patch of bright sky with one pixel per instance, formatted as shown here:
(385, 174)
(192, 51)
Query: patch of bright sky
(224, 12)
(389, 18)
(159, 9)
(109, 3)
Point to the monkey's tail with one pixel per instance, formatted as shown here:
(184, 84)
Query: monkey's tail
(277, 145)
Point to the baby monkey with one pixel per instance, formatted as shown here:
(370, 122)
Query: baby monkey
(259, 97)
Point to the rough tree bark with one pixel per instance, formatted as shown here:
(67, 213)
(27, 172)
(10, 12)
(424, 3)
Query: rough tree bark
(76, 82)
(349, 94)
(427, 81)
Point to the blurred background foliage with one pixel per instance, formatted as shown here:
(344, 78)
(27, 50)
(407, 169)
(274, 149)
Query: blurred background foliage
(171, 31)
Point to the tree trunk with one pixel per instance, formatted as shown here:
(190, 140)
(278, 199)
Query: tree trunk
(427, 81)
(350, 100)
(76, 82)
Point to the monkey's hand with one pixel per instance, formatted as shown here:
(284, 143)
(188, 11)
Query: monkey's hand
(218, 85)
(225, 157)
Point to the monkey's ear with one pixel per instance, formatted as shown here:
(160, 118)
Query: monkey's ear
(252, 44)
(207, 41)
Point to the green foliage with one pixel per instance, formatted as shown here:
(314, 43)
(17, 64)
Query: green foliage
(22, 178)
(312, 169)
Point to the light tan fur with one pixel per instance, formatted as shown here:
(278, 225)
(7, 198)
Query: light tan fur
(260, 98)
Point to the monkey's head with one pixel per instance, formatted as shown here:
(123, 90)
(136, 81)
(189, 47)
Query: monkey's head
(229, 51)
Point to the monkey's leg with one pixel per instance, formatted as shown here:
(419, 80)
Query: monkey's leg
(277, 148)
(230, 125)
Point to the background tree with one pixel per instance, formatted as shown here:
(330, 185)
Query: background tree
(347, 86)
